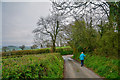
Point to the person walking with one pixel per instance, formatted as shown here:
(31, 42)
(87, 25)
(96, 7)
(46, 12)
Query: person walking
(82, 58)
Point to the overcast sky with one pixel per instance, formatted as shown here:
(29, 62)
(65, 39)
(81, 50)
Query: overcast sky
(19, 20)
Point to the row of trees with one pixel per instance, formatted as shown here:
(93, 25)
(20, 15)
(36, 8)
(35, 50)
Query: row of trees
(88, 39)
(92, 31)
(93, 26)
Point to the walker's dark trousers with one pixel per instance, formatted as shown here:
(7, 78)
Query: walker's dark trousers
(82, 63)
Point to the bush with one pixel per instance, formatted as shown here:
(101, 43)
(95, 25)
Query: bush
(33, 67)
(108, 44)
(65, 51)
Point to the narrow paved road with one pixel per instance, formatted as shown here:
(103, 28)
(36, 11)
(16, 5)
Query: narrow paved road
(73, 69)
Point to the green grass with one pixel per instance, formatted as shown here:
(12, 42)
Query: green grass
(105, 67)
(34, 64)
(38, 66)
(0, 66)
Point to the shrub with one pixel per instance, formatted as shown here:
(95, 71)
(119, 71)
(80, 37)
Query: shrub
(65, 51)
(108, 44)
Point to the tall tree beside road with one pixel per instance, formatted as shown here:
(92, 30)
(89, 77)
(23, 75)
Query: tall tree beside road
(48, 29)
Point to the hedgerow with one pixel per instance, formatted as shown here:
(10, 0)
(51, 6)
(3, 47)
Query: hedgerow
(63, 51)
(33, 67)
(25, 52)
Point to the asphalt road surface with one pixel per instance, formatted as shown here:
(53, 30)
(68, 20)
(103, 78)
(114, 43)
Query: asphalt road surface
(73, 69)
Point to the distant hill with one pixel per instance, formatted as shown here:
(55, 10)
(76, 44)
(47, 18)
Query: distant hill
(10, 48)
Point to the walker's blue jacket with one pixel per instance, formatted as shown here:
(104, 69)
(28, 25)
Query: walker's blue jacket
(82, 57)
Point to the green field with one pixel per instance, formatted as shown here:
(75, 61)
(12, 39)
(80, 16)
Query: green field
(34, 64)
(47, 65)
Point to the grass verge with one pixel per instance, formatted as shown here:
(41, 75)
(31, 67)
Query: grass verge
(103, 66)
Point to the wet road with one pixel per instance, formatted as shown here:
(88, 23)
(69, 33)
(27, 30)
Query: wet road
(73, 69)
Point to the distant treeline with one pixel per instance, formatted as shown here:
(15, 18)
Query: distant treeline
(14, 48)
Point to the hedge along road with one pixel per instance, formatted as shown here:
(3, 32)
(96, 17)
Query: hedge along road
(73, 69)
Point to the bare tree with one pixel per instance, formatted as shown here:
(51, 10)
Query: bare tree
(22, 47)
(39, 39)
(4, 49)
(48, 29)
(89, 11)
(34, 46)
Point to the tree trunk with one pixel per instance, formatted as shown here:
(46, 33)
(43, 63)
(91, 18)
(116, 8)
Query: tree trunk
(118, 17)
(53, 47)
